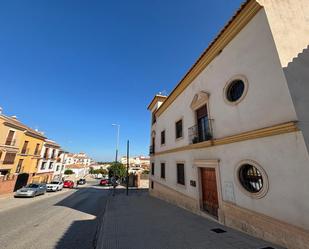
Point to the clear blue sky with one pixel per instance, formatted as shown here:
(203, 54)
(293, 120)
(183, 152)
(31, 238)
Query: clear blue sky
(72, 68)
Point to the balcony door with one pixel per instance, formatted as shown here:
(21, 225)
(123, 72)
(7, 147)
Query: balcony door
(9, 139)
(202, 123)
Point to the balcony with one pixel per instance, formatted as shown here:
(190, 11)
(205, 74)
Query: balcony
(151, 150)
(9, 158)
(200, 133)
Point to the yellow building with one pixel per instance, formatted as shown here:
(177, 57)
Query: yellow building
(21, 148)
(29, 153)
(11, 133)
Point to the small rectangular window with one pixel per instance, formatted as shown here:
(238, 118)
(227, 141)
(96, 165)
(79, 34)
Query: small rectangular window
(153, 118)
(179, 129)
(163, 170)
(50, 165)
(43, 165)
(163, 137)
(181, 173)
(152, 168)
(152, 184)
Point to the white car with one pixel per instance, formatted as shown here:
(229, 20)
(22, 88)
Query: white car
(54, 186)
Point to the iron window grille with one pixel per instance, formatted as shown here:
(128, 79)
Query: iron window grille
(151, 150)
(163, 170)
(235, 90)
(163, 137)
(250, 178)
(181, 173)
(154, 119)
(178, 129)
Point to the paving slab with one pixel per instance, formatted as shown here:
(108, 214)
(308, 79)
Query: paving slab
(139, 221)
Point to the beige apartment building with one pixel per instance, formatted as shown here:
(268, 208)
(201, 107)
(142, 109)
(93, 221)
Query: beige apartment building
(231, 140)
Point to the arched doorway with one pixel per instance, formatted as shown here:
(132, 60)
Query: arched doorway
(21, 181)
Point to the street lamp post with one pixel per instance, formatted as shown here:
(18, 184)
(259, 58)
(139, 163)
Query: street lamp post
(117, 141)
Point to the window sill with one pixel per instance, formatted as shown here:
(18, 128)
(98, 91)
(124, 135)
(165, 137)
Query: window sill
(179, 139)
(181, 186)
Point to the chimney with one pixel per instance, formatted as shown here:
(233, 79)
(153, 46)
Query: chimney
(1, 110)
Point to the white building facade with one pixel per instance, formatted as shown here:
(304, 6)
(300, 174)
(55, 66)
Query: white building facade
(47, 163)
(137, 161)
(78, 158)
(59, 165)
(229, 142)
(79, 170)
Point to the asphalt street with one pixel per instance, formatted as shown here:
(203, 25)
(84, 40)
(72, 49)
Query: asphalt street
(68, 219)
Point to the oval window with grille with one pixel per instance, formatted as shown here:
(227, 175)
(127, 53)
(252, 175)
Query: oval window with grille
(250, 178)
(235, 89)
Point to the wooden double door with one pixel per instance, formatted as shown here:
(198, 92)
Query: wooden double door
(209, 191)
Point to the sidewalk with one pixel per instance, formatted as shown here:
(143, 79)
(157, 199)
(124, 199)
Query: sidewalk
(139, 221)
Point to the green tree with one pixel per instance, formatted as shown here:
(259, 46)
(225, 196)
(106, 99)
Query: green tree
(117, 169)
(103, 171)
(91, 170)
(68, 172)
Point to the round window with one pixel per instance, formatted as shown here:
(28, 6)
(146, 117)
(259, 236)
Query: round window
(250, 178)
(235, 90)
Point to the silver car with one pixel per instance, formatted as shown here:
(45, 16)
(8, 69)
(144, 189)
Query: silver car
(31, 190)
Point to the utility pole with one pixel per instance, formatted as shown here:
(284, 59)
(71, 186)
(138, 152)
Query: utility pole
(117, 141)
(127, 180)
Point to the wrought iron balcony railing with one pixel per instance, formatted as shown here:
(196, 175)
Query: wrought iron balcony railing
(200, 133)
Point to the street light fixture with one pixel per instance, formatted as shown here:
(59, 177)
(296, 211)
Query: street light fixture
(117, 141)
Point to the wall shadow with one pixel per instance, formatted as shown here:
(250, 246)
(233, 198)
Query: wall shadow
(83, 234)
(297, 76)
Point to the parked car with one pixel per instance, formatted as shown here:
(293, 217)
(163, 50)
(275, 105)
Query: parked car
(54, 186)
(81, 181)
(108, 182)
(31, 190)
(105, 182)
(68, 184)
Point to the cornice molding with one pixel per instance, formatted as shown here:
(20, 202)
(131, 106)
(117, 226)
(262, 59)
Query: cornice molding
(250, 135)
(238, 22)
(14, 126)
(155, 100)
(30, 134)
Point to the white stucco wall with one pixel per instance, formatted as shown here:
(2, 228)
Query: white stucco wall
(251, 53)
(289, 24)
(48, 161)
(268, 102)
(284, 159)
